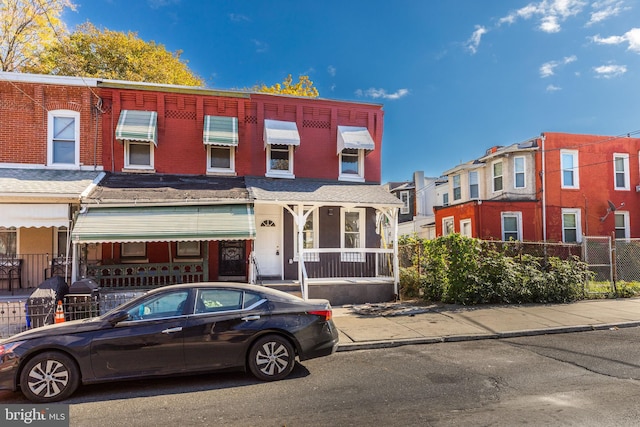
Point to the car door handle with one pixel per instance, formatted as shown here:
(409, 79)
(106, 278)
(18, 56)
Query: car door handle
(253, 317)
(172, 330)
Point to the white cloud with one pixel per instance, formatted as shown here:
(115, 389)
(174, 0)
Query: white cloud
(331, 70)
(603, 10)
(609, 71)
(550, 12)
(237, 17)
(632, 37)
(261, 46)
(553, 88)
(547, 69)
(157, 4)
(382, 93)
(474, 41)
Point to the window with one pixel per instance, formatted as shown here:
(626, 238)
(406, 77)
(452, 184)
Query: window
(62, 239)
(465, 227)
(622, 225)
(138, 154)
(621, 171)
(404, 197)
(220, 159)
(457, 190)
(351, 165)
(133, 250)
(519, 172)
(188, 249)
(309, 237)
(352, 236)
(63, 134)
(474, 190)
(511, 226)
(447, 226)
(569, 166)
(169, 304)
(445, 199)
(496, 168)
(571, 231)
(8, 239)
(212, 300)
(280, 160)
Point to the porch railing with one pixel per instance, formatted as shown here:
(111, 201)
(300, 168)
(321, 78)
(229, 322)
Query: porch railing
(146, 275)
(329, 263)
(29, 270)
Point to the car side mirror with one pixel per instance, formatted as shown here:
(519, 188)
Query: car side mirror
(117, 317)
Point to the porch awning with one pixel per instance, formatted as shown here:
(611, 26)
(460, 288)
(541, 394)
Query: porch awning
(137, 125)
(220, 130)
(281, 132)
(34, 215)
(355, 138)
(165, 224)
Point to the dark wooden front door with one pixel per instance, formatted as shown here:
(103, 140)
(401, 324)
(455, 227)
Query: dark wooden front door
(232, 259)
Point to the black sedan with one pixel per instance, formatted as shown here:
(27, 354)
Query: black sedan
(172, 330)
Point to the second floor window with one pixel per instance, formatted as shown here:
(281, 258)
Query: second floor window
(220, 159)
(404, 197)
(138, 154)
(445, 199)
(621, 171)
(474, 190)
(519, 172)
(63, 135)
(497, 176)
(569, 166)
(279, 160)
(457, 190)
(351, 165)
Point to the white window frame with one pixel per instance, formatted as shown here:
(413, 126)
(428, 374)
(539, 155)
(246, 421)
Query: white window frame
(445, 199)
(313, 256)
(127, 155)
(445, 229)
(354, 177)
(472, 184)
(625, 164)
(457, 187)
(232, 159)
(51, 116)
(353, 256)
(495, 177)
(405, 197)
(577, 214)
(518, 217)
(278, 173)
(627, 227)
(465, 227)
(517, 171)
(573, 169)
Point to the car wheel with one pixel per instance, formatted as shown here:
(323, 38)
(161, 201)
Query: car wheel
(271, 358)
(49, 377)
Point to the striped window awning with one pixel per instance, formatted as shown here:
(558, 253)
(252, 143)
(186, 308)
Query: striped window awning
(279, 132)
(355, 138)
(135, 125)
(220, 130)
(165, 224)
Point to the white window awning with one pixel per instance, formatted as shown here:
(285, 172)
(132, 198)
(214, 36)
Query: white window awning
(134, 125)
(220, 131)
(34, 215)
(355, 138)
(281, 132)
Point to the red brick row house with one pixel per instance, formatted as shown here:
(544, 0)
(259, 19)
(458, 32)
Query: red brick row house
(557, 187)
(189, 186)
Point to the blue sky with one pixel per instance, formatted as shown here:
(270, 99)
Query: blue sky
(455, 77)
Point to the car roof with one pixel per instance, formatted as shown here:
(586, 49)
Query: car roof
(234, 285)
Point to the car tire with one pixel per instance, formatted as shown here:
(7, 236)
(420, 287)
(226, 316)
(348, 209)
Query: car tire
(271, 358)
(49, 377)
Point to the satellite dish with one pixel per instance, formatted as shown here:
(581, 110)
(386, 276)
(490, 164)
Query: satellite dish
(612, 207)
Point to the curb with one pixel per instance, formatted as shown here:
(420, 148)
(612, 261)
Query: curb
(373, 345)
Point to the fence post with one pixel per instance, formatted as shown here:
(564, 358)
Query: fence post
(614, 263)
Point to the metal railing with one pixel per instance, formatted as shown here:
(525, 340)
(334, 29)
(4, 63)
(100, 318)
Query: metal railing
(330, 263)
(146, 276)
(29, 270)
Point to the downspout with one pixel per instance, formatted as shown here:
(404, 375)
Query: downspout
(544, 191)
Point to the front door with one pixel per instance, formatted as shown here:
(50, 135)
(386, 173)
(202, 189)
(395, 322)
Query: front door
(267, 245)
(232, 259)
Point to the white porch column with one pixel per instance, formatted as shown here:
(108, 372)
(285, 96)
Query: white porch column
(396, 264)
(75, 264)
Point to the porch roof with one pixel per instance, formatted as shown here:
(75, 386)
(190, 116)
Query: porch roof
(46, 183)
(165, 224)
(319, 191)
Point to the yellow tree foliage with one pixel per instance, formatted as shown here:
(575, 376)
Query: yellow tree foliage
(26, 28)
(91, 52)
(304, 87)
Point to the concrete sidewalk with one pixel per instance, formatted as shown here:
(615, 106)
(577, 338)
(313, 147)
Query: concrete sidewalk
(391, 325)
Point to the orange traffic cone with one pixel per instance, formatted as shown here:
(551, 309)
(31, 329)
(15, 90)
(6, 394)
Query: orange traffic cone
(59, 313)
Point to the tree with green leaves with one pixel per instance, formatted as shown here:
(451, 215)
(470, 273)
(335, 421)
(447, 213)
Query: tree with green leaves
(304, 87)
(26, 28)
(102, 53)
